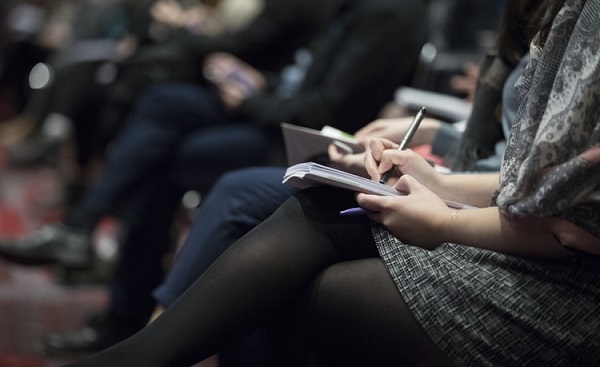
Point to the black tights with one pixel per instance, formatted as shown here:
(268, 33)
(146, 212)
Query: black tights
(304, 254)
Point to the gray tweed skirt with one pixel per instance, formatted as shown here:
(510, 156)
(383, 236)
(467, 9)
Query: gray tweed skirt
(483, 308)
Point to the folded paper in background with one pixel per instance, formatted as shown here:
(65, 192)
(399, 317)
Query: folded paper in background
(438, 104)
(307, 174)
(303, 144)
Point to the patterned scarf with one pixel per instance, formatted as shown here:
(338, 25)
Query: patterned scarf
(552, 164)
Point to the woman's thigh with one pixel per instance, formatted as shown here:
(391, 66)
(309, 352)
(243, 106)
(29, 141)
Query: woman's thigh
(358, 317)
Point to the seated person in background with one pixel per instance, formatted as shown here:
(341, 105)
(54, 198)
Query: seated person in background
(410, 284)
(30, 32)
(98, 90)
(186, 135)
(67, 25)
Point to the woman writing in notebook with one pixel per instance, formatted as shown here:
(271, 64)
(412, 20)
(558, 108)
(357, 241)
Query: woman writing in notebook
(516, 282)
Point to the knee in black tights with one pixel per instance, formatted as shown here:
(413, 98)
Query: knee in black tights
(357, 317)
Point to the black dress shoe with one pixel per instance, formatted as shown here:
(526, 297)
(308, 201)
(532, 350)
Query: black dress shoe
(52, 244)
(100, 332)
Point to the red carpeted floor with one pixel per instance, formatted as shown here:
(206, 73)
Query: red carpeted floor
(35, 301)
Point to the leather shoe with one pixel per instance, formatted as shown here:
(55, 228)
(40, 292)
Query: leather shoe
(52, 244)
(100, 332)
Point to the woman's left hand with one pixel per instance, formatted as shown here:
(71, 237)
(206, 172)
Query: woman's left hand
(353, 163)
(419, 218)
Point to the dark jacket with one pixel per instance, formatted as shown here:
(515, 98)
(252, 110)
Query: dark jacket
(268, 42)
(370, 49)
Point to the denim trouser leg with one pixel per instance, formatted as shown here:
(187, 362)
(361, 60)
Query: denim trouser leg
(238, 202)
(200, 158)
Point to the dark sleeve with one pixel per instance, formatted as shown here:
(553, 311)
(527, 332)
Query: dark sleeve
(352, 82)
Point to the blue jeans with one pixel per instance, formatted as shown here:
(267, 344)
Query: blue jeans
(237, 203)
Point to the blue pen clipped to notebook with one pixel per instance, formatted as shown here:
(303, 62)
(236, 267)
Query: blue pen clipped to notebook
(355, 211)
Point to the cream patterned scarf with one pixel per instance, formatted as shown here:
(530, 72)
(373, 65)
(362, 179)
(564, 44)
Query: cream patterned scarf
(552, 164)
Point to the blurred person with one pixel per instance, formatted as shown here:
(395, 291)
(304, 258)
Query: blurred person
(78, 36)
(114, 51)
(186, 135)
(28, 36)
(464, 31)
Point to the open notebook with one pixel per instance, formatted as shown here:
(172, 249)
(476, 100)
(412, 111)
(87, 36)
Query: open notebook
(307, 174)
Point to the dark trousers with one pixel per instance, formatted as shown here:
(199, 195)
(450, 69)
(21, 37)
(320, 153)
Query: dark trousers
(178, 137)
(237, 203)
(162, 120)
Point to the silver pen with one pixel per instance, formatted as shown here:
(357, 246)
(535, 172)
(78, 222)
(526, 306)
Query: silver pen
(407, 137)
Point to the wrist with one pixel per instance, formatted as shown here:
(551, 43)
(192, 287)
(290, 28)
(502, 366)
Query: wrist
(441, 229)
(451, 236)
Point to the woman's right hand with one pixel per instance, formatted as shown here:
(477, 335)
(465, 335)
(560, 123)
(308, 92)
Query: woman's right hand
(383, 154)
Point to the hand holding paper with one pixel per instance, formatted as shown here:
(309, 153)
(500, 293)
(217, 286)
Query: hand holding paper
(354, 163)
(310, 174)
(418, 217)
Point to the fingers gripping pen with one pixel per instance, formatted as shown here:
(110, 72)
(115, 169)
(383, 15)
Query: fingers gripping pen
(407, 137)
